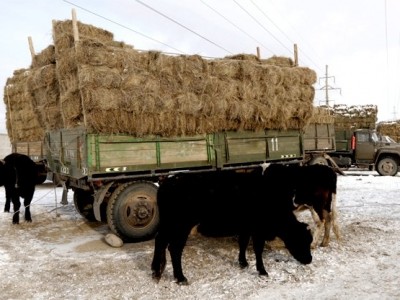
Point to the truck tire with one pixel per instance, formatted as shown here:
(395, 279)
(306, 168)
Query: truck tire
(387, 166)
(83, 201)
(318, 160)
(132, 211)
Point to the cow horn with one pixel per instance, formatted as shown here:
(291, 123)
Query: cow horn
(2, 161)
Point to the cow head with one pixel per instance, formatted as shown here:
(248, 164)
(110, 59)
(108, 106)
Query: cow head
(298, 241)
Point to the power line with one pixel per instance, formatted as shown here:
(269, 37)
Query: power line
(283, 33)
(183, 26)
(237, 27)
(262, 26)
(119, 24)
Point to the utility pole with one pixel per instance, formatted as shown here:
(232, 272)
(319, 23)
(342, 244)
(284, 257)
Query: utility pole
(327, 87)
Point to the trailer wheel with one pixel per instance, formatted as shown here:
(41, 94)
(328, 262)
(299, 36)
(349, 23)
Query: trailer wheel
(132, 211)
(387, 166)
(83, 201)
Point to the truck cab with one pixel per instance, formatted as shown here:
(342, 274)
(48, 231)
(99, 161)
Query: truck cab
(366, 148)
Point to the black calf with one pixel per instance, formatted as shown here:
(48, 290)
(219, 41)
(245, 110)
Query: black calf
(18, 174)
(239, 203)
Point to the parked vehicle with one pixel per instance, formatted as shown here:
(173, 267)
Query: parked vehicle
(367, 149)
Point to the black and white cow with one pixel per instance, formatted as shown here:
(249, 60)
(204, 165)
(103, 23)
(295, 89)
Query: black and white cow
(314, 188)
(245, 204)
(18, 174)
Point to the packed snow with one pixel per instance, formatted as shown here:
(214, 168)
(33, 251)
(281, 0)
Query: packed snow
(61, 256)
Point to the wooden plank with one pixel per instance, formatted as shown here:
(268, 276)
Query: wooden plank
(178, 152)
(126, 154)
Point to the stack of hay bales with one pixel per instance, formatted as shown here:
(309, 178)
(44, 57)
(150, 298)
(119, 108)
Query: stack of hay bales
(391, 129)
(355, 116)
(322, 115)
(109, 87)
(42, 84)
(22, 122)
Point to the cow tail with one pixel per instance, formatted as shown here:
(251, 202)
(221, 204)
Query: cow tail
(334, 217)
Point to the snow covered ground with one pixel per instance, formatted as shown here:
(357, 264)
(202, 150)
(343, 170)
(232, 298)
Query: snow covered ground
(60, 256)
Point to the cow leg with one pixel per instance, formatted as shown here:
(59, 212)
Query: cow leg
(175, 248)
(258, 247)
(27, 204)
(244, 240)
(8, 201)
(318, 227)
(328, 226)
(159, 259)
(16, 205)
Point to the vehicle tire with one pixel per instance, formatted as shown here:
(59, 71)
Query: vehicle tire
(83, 201)
(132, 211)
(318, 160)
(387, 166)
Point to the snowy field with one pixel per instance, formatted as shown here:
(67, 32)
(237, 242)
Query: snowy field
(60, 256)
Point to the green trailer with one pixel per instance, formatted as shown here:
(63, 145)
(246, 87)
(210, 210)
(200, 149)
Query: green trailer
(115, 177)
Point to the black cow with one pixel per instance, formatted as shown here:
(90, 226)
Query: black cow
(18, 174)
(314, 188)
(240, 203)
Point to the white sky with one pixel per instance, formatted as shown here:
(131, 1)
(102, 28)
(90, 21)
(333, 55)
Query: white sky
(359, 39)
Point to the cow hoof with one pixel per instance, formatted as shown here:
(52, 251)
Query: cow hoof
(263, 273)
(28, 221)
(243, 264)
(156, 276)
(182, 281)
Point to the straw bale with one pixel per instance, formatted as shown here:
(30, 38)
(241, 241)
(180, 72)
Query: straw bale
(110, 87)
(322, 115)
(43, 86)
(390, 128)
(280, 61)
(45, 57)
(22, 122)
(244, 56)
(355, 116)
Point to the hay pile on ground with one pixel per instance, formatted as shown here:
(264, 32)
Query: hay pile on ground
(109, 87)
(355, 116)
(391, 129)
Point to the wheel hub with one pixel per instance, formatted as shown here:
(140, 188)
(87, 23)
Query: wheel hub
(139, 212)
(387, 167)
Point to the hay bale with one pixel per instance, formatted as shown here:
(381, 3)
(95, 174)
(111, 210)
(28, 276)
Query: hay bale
(280, 61)
(391, 129)
(322, 115)
(22, 121)
(355, 116)
(110, 87)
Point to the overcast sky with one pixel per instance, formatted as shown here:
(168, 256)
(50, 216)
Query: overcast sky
(359, 40)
